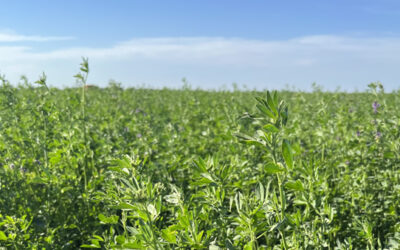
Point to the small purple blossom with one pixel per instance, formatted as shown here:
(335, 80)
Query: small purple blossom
(358, 133)
(37, 162)
(347, 162)
(12, 166)
(350, 110)
(378, 135)
(375, 106)
(139, 135)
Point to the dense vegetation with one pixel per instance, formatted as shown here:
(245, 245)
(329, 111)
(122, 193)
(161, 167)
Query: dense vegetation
(140, 168)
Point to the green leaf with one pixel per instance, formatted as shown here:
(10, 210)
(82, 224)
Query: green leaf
(295, 185)
(264, 108)
(255, 143)
(213, 247)
(260, 193)
(285, 115)
(201, 164)
(389, 155)
(278, 225)
(98, 237)
(199, 236)
(248, 246)
(90, 246)
(134, 245)
(271, 128)
(173, 198)
(207, 176)
(108, 220)
(3, 236)
(271, 104)
(169, 235)
(275, 98)
(120, 239)
(125, 206)
(272, 168)
(249, 140)
(152, 210)
(287, 153)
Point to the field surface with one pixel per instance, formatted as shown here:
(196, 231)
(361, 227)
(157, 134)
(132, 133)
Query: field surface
(190, 169)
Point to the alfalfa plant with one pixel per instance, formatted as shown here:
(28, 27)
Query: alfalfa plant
(279, 156)
(81, 79)
(44, 113)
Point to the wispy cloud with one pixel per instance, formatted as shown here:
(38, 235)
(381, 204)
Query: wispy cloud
(350, 62)
(13, 37)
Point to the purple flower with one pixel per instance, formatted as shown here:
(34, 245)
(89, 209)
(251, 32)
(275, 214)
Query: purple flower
(358, 133)
(139, 135)
(378, 135)
(37, 162)
(375, 106)
(12, 166)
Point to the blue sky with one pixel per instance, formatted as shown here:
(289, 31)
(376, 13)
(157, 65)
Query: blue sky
(213, 43)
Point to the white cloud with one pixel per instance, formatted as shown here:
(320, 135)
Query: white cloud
(349, 62)
(13, 37)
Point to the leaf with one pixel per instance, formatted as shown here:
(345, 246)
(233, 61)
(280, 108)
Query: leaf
(120, 239)
(90, 246)
(173, 198)
(295, 185)
(265, 110)
(272, 168)
(243, 137)
(201, 165)
(256, 143)
(208, 177)
(39, 180)
(108, 220)
(278, 225)
(271, 128)
(98, 237)
(285, 115)
(3, 236)
(249, 140)
(134, 245)
(199, 236)
(271, 104)
(260, 193)
(389, 155)
(125, 206)
(169, 235)
(275, 98)
(287, 153)
(248, 246)
(152, 210)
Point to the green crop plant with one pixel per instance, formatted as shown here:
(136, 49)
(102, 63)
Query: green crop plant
(136, 168)
(81, 78)
(278, 160)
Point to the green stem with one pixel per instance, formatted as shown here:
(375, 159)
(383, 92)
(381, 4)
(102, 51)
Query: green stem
(283, 207)
(83, 104)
